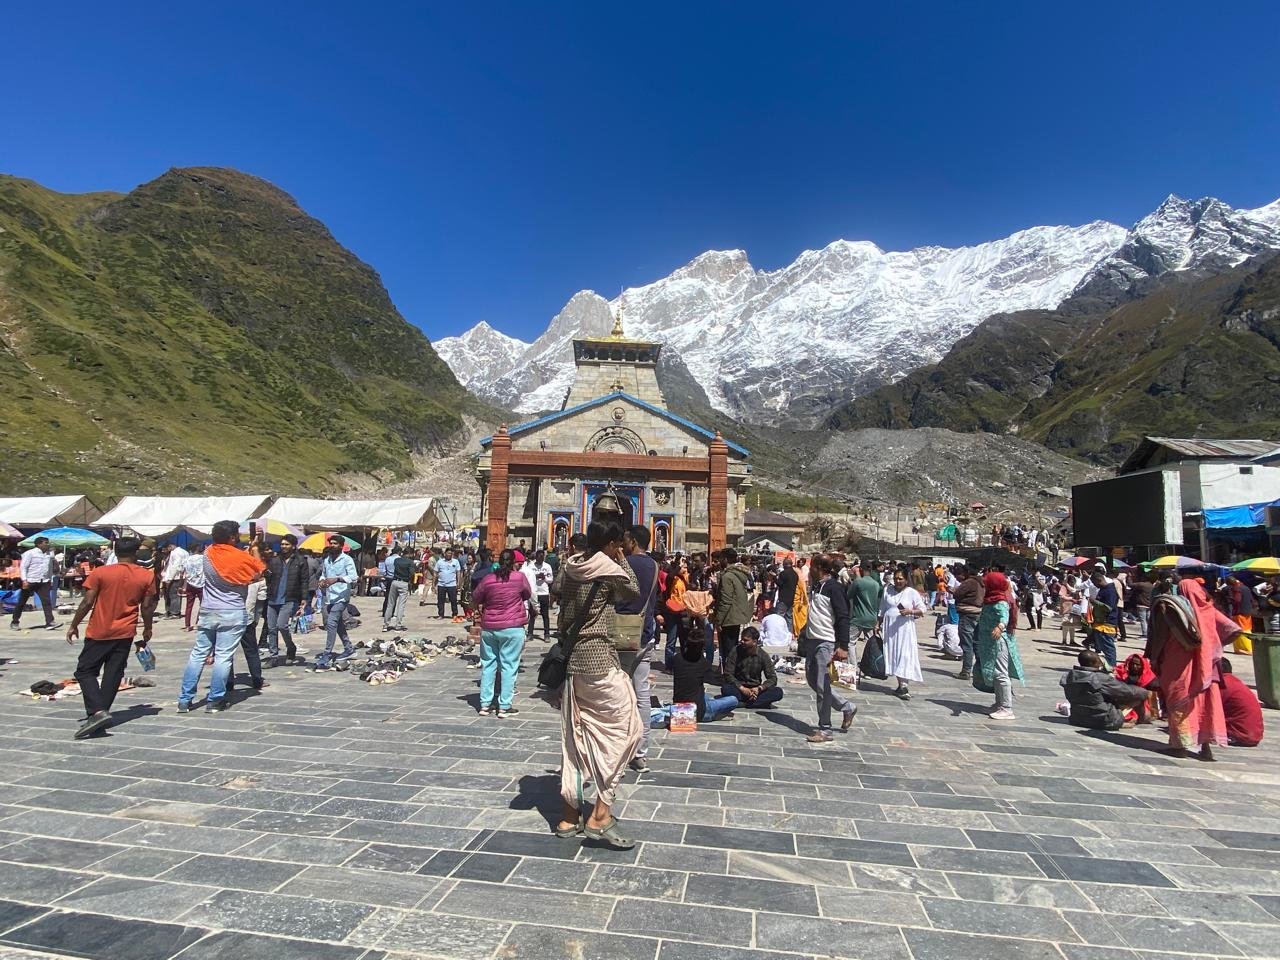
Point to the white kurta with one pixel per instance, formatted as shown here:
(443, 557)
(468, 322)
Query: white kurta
(901, 653)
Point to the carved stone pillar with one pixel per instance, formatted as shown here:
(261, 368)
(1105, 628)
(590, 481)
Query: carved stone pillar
(718, 494)
(499, 489)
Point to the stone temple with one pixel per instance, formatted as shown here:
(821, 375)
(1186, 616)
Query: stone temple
(540, 481)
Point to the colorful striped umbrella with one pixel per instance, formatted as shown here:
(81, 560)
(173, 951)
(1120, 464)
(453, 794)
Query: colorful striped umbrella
(1266, 566)
(1175, 562)
(67, 537)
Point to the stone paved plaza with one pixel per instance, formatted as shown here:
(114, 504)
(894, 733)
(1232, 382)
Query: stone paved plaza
(330, 820)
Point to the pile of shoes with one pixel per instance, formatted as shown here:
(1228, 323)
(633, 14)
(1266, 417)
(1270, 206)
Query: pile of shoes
(386, 661)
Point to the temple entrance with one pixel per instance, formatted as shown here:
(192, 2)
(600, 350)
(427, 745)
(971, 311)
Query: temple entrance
(629, 500)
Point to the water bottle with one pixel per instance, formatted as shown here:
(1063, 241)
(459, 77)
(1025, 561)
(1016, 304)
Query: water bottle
(147, 659)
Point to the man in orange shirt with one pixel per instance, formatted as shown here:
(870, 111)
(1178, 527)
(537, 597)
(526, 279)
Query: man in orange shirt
(115, 594)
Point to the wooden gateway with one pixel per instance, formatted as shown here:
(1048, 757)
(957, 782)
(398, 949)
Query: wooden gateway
(540, 480)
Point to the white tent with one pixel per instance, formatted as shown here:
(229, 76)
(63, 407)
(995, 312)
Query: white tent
(157, 516)
(72, 510)
(415, 514)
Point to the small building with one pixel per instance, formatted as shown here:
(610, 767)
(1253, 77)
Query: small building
(770, 527)
(540, 481)
(1180, 486)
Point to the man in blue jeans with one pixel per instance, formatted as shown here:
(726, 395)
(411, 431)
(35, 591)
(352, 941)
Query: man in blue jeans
(228, 571)
(337, 576)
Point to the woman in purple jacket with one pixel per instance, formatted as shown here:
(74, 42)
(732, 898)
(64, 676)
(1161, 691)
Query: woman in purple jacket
(504, 602)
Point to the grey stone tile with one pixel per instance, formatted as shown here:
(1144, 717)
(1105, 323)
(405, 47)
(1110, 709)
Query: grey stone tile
(1099, 870)
(366, 809)
(79, 801)
(678, 921)
(978, 861)
(92, 935)
(668, 857)
(312, 850)
(1245, 840)
(239, 873)
(552, 874)
(676, 950)
(1052, 894)
(1201, 905)
(791, 869)
(939, 945)
(772, 895)
(280, 801)
(1173, 934)
(999, 919)
(64, 825)
(530, 845)
(51, 852)
(548, 943)
(877, 905)
(228, 945)
(39, 884)
(621, 880)
(375, 887)
(173, 836)
(389, 856)
(731, 838)
(1251, 939)
(1116, 898)
(526, 905)
(295, 824)
(1222, 879)
(135, 897)
(839, 938)
(873, 876)
(16, 914)
(491, 867)
(440, 935)
(412, 834)
(855, 851)
(273, 913)
(442, 863)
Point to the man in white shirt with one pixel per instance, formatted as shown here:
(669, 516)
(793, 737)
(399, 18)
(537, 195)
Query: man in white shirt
(172, 578)
(539, 574)
(775, 635)
(37, 570)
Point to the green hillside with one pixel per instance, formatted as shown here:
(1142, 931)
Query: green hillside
(1191, 356)
(201, 333)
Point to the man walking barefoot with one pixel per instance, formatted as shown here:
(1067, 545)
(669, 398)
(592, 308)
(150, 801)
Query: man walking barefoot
(115, 594)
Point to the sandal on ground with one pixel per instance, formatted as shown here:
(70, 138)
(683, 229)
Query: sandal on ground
(609, 835)
(568, 833)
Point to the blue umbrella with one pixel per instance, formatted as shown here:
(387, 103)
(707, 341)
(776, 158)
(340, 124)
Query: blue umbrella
(67, 537)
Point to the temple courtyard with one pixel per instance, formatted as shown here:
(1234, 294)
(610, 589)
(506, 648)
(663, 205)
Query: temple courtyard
(329, 819)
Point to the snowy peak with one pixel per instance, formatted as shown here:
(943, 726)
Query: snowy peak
(793, 343)
(480, 350)
(1185, 234)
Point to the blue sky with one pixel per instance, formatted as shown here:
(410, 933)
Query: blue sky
(491, 159)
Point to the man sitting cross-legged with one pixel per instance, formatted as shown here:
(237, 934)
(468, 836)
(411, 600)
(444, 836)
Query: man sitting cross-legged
(749, 673)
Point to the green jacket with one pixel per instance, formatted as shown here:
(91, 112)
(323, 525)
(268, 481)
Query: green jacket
(733, 602)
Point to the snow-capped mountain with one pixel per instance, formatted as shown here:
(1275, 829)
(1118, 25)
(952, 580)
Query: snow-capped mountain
(1187, 234)
(793, 343)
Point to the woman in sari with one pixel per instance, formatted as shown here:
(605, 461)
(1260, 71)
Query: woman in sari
(1184, 653)
(600, 726)
(996, 659)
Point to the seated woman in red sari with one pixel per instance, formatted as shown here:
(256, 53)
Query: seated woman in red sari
(1241, 707)
(1184, 645)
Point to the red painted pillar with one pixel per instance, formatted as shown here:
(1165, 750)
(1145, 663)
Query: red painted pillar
(718, 494)
(499, 489)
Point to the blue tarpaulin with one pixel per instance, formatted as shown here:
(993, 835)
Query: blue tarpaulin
(1244, 515)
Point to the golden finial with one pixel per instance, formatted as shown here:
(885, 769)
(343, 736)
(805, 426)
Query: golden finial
(616, 333)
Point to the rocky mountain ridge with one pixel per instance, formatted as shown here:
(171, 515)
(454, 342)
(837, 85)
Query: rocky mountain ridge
(790, 345)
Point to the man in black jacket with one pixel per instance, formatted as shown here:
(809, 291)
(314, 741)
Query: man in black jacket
(1098, 700)
(826, 639)
(288, 587)
(787, 582)
(749, 673)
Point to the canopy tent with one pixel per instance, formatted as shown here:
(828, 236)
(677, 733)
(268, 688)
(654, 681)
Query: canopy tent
(157, 516)
(1243, 515)
(48, 511)
(414, 514)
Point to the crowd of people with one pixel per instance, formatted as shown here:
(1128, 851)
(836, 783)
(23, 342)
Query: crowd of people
(723, 624)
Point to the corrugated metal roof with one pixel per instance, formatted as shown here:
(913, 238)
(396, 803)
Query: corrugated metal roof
(756, 517)
(1195, 448)
(1216, 448)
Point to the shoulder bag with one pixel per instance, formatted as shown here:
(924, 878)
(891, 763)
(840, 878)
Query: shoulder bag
(554, 667)
(630, 626)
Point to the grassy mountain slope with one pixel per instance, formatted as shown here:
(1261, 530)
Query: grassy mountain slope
(201, 333)
(1190, 356)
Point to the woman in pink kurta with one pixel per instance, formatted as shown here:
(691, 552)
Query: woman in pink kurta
(1192, 697)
